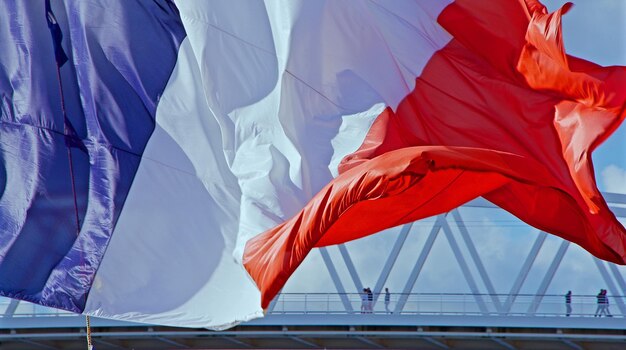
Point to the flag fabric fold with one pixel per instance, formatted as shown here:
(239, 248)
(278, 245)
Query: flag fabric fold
(155, 155)
(77, 110)
(503, 84)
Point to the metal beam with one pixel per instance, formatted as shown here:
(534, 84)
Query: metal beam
(618, 278)
(466, 271)
(272, 305)
(419, 263)
(504, 344)
(586, 335)
(304, 342)
(611, 197)
(523, 273)
(618, 211)
(391, 260)
(109, 344)
(436, 343)
(237, 341)
(572, 345)
(476, 259)
(548, 277)
(172, 342)
(336, 280)
(39, 345)
(351, 269)
(370, 342)
(10, 310)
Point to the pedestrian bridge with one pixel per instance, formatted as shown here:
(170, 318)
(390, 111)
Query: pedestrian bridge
(317, 320)
(444, 309)
(473, 278)
(446, 304)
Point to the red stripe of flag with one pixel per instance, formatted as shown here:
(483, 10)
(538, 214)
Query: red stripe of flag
(499, 112)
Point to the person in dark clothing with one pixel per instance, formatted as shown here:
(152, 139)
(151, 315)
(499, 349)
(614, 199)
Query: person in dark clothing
(370, 300)
(568, 303)
(600, 302)
(605, 300)
(364, 301)
(387, 300)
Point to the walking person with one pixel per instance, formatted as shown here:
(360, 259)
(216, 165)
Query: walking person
(364, 301)
(568, 303)
(387, 300)
(370, 300)
(605, 299)
(600, 302)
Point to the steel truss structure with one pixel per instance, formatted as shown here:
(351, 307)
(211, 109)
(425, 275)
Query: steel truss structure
(479, 282)
(486, 315)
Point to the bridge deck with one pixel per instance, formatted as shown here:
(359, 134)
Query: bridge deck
(301, 323)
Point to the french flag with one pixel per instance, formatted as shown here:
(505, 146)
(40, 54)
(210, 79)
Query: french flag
(173, 162)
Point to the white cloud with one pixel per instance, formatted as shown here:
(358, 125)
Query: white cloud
(614, 179)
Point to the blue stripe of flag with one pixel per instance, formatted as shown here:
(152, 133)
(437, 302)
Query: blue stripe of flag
(120, 56)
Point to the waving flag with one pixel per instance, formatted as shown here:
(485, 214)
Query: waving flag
(154, 155)
(501, 112)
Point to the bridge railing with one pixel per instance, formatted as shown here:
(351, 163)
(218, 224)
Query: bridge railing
(412, 304)
(9, 308)
(446, 304)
